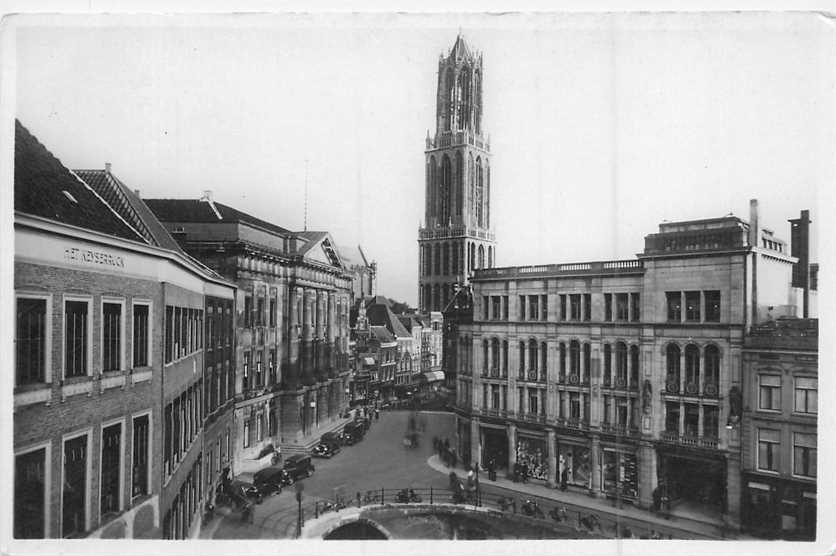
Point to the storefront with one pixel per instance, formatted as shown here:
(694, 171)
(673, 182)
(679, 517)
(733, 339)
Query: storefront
(619, 472)
(531, 452)
(778, 508)
(694, 479)
(574, 463)
(495, 446)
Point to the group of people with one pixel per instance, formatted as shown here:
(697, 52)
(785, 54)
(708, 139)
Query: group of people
(448, 455)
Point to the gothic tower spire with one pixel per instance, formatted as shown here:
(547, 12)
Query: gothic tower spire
(457, 237)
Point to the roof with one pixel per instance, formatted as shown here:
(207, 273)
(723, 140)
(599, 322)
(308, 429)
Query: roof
(784, 333)
(352, 256)
(381, 334)
(44, 187)
(129, 206)
(323, 239)
(206, 210)
(409, 322)
(382, 315)
(460, 48)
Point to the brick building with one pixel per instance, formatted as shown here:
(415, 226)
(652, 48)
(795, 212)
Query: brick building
(291, 336)
(618, 377)
(108, 326)
(779, 429)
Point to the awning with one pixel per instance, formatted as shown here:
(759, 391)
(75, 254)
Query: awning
(434, 376)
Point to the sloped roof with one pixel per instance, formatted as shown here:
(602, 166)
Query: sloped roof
(197, 210)
(44, 187)
(323, 239)
(379, 314)
(352, 256)
(129, 206)
(461, 48)
(381, 334)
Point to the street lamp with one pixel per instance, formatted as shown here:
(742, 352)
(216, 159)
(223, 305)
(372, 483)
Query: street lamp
(315, 416)
(299, 488)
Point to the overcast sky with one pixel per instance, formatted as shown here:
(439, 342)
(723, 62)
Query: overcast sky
(601, 126)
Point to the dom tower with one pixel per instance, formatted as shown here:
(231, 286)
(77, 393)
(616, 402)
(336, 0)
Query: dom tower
(457, 237)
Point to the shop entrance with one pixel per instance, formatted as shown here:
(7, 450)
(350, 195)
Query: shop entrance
(694, 486)
(495, 446)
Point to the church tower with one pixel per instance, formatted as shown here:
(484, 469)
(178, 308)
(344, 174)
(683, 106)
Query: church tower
(457, 237)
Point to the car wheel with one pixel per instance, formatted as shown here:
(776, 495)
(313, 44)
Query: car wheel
(309, 472)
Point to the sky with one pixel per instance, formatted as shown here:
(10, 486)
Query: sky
(601, 126)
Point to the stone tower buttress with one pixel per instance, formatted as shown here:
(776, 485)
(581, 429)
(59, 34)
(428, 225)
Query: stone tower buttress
(457, 237)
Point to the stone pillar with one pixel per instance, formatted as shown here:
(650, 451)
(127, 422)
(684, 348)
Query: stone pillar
(648, 476)
(681, 418)
(512, 449)
(293, 368)
(595, 455)
(308, 376)
(551, 450)
(475, 443)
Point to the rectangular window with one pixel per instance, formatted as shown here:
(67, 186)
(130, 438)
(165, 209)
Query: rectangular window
(168, 448)
(674, 306)
(712, 305)
(496, 307)
(74, 491)
(533, 399)
(608, 307)
(111, 468)
(769, 397)
(247, 437)
(111, 336)
(587, 306)
(574, 405)
(505, 307)
(672, 417)
(485, 307)
(521, 309)
(259, 369)
(692, 306)
(710, 421)
(768, 442)
(246, 376)
(248, 311)
(575, 306)
(562, 306)
(272, 311)
(804, 453)
(29, 492)
(75, 338)
(544, 307)
(806, 395)
(635, 307)
(30, 341)
(621, 307)
(259, 312)
(533, 309)
(139, 473)
(140, 335)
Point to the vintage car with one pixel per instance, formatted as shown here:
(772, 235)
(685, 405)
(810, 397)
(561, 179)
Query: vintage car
(325, 450)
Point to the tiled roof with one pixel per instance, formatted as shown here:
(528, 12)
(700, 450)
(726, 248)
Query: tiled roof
(381, 315)
(381, 334)
(44, 187)
(196, 210)
(129, 206)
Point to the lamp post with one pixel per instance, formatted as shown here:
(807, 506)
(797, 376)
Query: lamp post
(299, 488)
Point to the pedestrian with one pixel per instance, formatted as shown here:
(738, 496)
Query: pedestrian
(377, 415)
(564, 479)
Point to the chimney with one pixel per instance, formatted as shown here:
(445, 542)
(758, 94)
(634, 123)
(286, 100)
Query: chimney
(754, 230)
(207, 195)
(800, 248)
(136, 192)
(107, 167)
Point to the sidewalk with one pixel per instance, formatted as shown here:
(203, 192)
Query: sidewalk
(603, 506)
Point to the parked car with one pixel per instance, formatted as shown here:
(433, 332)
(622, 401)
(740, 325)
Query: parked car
(325, 450)
(271, 479)
(238, 494)
(354, 432)
(333, 438)
(299, 466)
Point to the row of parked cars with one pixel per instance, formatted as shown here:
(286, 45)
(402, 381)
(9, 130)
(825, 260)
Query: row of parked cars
(271, 480)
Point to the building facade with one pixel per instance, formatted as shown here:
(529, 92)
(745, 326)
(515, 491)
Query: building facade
(779, 429)
(621, 377)
(457, 236)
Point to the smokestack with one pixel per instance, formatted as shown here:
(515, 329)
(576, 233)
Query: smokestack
(800, 248)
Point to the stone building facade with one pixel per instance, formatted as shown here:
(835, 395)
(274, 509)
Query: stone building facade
(618, 377)
(779, 429)
(457, 236)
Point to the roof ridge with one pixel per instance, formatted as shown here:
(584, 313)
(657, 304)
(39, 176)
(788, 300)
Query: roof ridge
(119, 216)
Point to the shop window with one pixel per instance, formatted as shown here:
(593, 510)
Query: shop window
(804, 454)
(692, 306)
(712, 305)
(674, 306)
(806, 395)
(30, 343)
(768, 443)
(769, 392)
(29, 490)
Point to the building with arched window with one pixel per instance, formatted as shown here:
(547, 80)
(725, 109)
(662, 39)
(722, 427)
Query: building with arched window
(456, 238)
(626, 374)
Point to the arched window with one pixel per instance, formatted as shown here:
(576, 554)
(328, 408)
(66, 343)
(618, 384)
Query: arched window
(544, 361)
(449, 100)
(463, 96)
(479, 189)
(607, 365)
(620, 365)
(444, 191)
(481, 256)
(532, 359)
(504, 358)
(471, 178)
(437, 260)
(428, 298)
(432, 198)
(455, 265)
(562, 370)
(436, 298)
(574, 360)
(712, 370)
(692, 369)
(522, 361)
(484, 357)
(459, 184)
(461, 258)
(634, 367)
(445, 259)
(495, 357)
(472, 257)
(487, 194)
(477, 104)
(672, 379)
